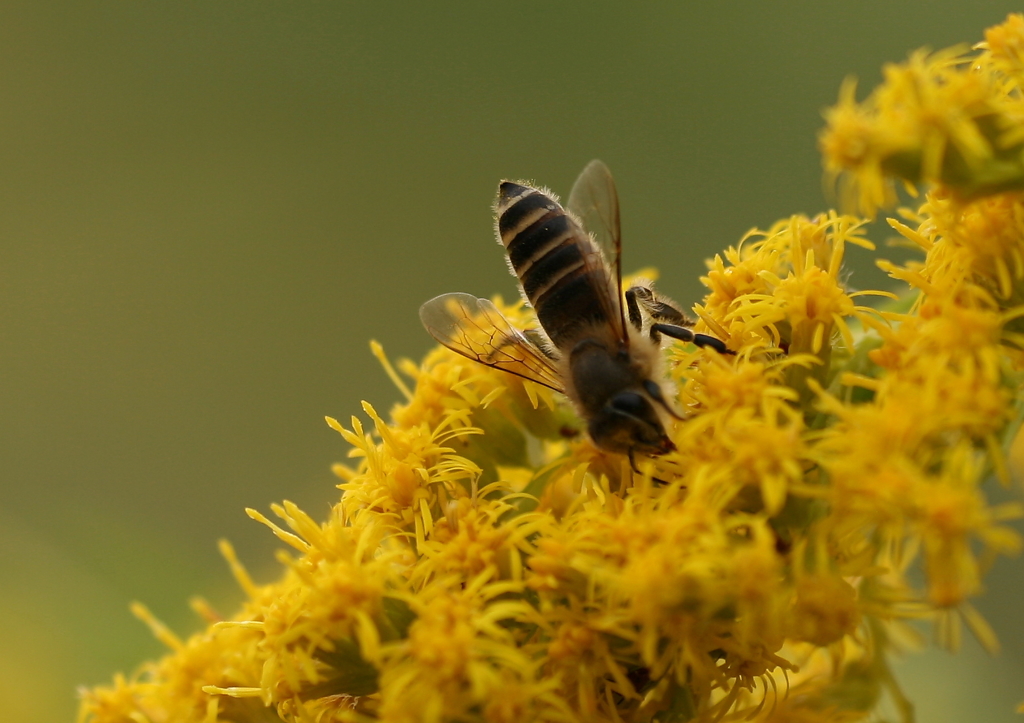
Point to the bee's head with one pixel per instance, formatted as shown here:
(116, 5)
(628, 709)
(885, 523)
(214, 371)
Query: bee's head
(629, 423)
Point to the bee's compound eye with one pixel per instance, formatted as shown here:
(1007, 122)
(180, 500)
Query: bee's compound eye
(629, 403)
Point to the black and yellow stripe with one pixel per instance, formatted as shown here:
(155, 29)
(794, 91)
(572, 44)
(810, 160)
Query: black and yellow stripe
(554, 260)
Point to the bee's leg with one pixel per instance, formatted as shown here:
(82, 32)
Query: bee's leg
(656, 307)
(632, 309)
(632, 466)
(684, 334)
(659, 308)
(669, 319)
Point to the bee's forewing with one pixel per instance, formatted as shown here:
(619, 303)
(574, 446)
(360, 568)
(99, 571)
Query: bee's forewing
(475, 329)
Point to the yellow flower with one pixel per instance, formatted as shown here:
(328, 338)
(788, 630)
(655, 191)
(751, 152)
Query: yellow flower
(1005, 44)
(951, 117)
(460, 655)
(782, 288)
(487, 562)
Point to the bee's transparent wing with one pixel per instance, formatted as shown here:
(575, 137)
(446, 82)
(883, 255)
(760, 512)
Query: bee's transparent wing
(595, 202)
(476, 329)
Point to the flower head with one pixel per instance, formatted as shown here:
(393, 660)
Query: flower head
(951, 118)
(487, 562)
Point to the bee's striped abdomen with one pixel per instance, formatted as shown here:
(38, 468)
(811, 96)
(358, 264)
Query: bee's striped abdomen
(548, 252)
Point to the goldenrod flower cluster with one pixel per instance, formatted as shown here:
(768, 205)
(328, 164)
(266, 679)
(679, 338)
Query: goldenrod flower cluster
(951, 118)
(486, 562)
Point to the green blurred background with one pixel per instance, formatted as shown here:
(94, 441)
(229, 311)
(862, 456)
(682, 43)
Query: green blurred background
(208, 209)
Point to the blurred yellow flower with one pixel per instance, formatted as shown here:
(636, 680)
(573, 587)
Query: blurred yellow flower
(486, 562)
(951, 118)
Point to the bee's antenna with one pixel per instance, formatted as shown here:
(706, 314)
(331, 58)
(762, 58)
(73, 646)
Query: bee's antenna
(654, 389)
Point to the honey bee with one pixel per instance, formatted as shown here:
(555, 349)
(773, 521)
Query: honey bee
(605, 357)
